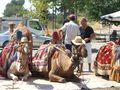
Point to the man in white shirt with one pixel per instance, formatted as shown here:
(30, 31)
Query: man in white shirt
(71, 30)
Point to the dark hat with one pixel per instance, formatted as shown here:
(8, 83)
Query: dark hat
(72, 17)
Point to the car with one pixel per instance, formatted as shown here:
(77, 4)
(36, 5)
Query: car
(37, 40)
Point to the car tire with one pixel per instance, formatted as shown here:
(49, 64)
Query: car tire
(5, 43)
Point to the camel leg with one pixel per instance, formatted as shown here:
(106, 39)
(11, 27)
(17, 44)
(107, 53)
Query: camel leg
(56, 78)
(12, 76)
(52, 74)
(11, 71)
(26, 75)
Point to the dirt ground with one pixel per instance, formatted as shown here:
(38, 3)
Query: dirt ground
(88, 81)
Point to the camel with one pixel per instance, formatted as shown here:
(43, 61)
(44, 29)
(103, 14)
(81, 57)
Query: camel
(107, 62)
(59, 66)
(18, 64)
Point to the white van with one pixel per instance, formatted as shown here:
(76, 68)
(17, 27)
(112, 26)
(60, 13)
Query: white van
(32, 24)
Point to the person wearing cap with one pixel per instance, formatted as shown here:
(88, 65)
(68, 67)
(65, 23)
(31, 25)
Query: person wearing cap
(87, 33)
(11, 30)
(71, 30)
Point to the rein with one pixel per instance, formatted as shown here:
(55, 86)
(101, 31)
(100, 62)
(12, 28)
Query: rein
(21, 60)
(58, 49)
(79, 49)
(76, 55)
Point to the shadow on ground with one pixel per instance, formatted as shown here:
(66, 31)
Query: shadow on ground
(82, 86)
(40, 86)
(109, 88)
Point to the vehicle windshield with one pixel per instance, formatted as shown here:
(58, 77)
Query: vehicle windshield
(35, 25)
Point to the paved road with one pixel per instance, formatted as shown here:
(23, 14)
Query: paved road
(88, 81)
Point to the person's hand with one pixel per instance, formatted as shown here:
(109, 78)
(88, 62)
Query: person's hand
(87, 39)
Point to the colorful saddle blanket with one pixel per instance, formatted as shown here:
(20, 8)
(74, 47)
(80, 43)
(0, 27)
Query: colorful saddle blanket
(39, 61)
(105, 56)
(9, 52)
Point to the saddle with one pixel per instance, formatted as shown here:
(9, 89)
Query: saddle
(39, 61)
(7, 57)
(43, 56)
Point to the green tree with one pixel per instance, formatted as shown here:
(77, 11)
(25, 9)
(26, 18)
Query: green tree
(96, 8)
(39, 10)
(14, 7)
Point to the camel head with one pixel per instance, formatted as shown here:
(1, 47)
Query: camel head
(78, 53)
(82, 51)
(22, 53)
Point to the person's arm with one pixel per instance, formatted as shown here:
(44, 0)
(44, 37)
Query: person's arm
(62, 30)
(92, 36)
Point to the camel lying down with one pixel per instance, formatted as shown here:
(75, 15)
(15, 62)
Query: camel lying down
(59, 66)
(17, 66)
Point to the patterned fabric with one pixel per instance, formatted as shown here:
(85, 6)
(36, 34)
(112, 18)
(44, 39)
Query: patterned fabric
(39, 60)
(115, 70)
(104, 57)
(42, 57)
(9, 52)
(8, 48)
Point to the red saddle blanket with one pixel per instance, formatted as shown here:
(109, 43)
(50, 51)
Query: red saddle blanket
(5, 50)
(105, 56)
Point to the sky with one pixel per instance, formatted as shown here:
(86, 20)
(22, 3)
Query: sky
(3, 4)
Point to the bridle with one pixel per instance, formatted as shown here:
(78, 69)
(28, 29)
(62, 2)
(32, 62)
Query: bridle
(76, 54)
(22, 50)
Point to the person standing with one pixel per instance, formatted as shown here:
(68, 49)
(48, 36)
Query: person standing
(11, 30)
(87, 33)
(113, 36)
(71, 30)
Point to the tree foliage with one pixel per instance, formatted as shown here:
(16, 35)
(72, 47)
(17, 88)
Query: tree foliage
(90, 8)
(14, 7)
(96, 8)
(39, 9)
